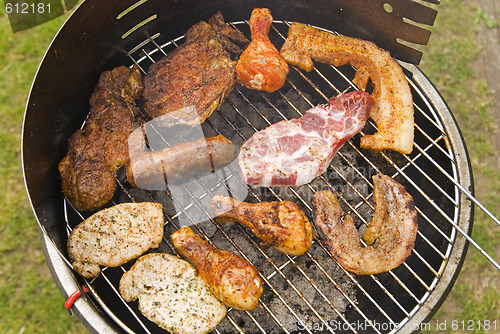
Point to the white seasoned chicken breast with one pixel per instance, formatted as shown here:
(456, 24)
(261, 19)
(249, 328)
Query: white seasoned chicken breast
(172, 295)
(114, 236)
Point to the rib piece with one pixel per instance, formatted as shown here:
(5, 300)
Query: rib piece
(190, 82)
(294, 152)
(114, 236)
(96, 152)
(232, 280)
(394, 224)
(393, 111)
(172, 295)
(280, 224)
(260, 66)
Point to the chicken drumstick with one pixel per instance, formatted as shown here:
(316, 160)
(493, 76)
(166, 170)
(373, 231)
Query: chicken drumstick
(232, 280)
(281, 224)
(260, 66)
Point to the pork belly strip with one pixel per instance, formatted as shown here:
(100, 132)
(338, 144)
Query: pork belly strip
(393, 110)
(394, 224)
(179, 162)
(114, 236)
(96, 152)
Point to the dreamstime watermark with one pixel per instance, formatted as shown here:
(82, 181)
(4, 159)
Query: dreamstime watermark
(26, 14)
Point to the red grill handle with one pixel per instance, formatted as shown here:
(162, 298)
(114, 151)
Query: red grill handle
(74, 296)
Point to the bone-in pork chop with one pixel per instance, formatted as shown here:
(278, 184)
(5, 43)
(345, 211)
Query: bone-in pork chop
(293, 152)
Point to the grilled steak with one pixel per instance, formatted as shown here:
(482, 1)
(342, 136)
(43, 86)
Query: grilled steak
(114, 236)
(97, 151)
(189, 83)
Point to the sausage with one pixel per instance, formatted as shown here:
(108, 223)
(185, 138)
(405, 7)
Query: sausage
(175, 164)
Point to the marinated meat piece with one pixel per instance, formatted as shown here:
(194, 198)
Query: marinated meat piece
(114, 236)
(190, 82)
(293, 152)
(279, 224)
(96, 152)
(172, 295)
(394, 224)
(393, 110)
(232, 280)
(260, 66)
(152, 170)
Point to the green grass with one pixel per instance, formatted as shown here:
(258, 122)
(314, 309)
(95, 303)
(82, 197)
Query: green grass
(30, 301)
(450, 61)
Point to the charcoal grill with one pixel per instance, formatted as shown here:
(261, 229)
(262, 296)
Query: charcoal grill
(306, 294)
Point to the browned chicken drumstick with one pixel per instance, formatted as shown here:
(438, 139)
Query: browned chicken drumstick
(281, 224)
(232, 280)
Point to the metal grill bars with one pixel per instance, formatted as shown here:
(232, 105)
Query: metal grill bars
(373, 310)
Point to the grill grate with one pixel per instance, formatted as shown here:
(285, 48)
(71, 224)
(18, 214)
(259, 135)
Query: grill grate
(310, 293)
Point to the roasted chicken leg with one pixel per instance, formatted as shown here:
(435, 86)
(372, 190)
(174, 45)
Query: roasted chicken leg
(96, 152)
(232, 280)
(260, 66)
(281, 224)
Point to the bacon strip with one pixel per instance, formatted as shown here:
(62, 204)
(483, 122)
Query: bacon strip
(393, 110)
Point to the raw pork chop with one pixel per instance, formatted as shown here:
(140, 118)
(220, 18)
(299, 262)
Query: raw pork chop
(293, 152)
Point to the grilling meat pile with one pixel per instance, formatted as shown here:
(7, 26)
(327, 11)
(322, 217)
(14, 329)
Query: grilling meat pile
(184, 88)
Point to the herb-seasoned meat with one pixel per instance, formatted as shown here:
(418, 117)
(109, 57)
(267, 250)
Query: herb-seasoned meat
(172, 295)
(114, 236)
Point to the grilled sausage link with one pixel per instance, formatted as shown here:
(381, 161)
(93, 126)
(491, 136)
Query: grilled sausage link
(179, 162)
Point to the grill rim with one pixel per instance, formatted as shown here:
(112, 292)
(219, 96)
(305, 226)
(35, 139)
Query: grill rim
(62, 286)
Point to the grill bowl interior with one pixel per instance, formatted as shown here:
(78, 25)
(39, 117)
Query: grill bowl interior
(301, 293)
